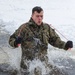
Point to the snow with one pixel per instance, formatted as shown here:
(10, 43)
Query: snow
(59, 13)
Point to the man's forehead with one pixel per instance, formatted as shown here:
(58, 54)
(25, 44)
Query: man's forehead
(38, 13)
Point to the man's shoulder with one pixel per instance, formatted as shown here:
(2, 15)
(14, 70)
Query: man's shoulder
(25, 24)
(46, 25)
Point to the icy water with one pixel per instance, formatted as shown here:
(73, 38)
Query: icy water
(61, 14)
(60, 58)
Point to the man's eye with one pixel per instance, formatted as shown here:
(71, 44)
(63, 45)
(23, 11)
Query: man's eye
(39, 16)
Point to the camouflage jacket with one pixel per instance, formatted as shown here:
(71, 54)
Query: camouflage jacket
(43, 33)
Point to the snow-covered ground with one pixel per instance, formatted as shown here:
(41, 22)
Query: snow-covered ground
(59, 13)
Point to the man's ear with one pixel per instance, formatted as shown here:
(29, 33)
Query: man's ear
(32, 15)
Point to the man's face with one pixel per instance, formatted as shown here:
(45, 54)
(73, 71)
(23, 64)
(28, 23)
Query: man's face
(37, 17)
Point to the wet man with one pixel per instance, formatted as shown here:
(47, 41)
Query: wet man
(34, 37)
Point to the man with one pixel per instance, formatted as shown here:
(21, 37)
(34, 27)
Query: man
(34, 37)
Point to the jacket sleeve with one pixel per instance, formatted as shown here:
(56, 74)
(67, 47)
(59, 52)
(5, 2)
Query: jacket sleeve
(13, 37)
(55, 40)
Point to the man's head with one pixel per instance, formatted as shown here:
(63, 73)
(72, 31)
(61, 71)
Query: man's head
(37, 15)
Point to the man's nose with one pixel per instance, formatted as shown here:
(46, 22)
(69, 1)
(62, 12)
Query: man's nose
(40, 17)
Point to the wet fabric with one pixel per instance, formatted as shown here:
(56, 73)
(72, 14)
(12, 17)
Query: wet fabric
(35, 41)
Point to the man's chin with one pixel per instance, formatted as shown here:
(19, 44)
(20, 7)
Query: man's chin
(39, 24)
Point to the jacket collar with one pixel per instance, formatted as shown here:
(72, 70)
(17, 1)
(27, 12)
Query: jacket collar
(32, 23)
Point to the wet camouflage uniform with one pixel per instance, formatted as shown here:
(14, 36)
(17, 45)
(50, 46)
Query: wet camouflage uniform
(35, 41)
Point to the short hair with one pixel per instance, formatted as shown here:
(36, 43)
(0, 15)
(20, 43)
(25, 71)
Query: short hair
(37, 8)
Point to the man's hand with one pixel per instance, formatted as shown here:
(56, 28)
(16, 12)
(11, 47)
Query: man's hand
(69, 44)
(18, 41)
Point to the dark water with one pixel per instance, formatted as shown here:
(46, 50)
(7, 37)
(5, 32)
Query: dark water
(68, 65)
(6, 69)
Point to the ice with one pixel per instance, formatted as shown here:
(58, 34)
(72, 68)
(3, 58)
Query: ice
(59, 13)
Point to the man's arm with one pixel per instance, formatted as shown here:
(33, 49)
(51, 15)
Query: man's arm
(16, 37)
(55, 41)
